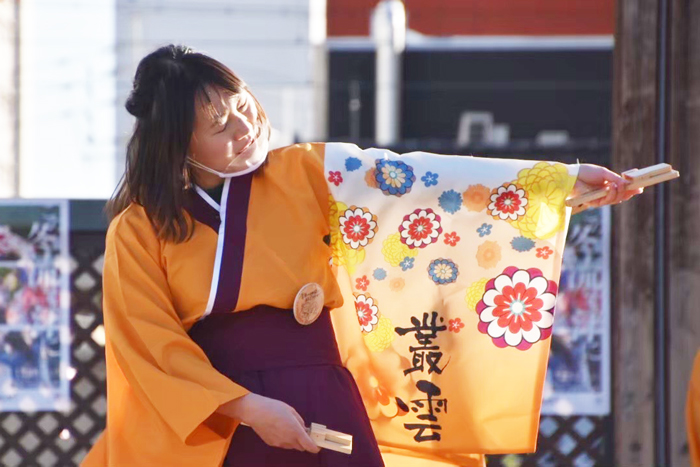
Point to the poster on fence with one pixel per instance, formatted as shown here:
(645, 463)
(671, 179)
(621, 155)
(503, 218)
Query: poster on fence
(578, 376)
(34, 305)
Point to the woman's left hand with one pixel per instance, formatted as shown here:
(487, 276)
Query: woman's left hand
(594, 177)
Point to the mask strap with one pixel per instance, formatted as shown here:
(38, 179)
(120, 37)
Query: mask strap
(199, 165)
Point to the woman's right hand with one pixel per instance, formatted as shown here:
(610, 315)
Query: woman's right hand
(277, 423)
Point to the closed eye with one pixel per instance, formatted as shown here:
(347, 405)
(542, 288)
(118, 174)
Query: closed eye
(223, 125)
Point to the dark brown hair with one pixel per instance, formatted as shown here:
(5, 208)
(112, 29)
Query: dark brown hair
(169, 84)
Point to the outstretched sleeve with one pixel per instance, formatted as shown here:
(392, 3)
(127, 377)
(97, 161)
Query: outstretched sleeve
(165, 370)
(431, 241)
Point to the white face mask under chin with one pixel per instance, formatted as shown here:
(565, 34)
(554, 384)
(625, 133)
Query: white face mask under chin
(258, 154)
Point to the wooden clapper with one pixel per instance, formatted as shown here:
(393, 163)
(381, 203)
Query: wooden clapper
(639, 178)
(329, 439)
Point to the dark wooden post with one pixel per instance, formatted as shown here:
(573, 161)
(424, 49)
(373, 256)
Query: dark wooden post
(634, 145)
(684, 228)
(635, 139)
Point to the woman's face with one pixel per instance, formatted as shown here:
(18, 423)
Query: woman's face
(225, 135)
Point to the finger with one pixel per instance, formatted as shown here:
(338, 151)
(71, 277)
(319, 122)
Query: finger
(610, 198)
(307, 443)
(625, 194)
(578, 209)
(299, 419)
(299, 446)
(616, 193)
(619, 195)
(629, 194)
(291, 445)
(612, 193)
(613, 177)
(292, 442)
(303, 438)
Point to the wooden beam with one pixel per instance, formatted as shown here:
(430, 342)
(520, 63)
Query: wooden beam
(684, 283)
(634, 140)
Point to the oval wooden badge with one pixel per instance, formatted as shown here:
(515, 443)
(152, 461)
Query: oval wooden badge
(308, 304)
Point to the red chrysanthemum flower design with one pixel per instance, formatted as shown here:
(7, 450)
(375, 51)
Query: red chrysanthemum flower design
(452, 239)
(508, 202)
(420, 228)
(361, 283)
(357, 226)
(544, 252)
(335, 178)
(454, 325)
(517, 308)
(367, 312)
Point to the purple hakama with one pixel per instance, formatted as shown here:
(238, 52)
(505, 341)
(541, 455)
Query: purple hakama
(268, 352)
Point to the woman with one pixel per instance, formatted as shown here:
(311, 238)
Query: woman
(206, 223)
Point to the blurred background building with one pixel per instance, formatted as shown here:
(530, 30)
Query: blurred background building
(9, 98)
(501, 76)
(483, 68)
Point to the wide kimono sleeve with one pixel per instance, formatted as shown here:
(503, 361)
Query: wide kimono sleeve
(153, 365)
(450, 265)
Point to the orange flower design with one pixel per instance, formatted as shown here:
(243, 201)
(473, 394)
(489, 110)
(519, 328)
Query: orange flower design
(380, 381)
(476, 198)
(488, 255)
(397, 284)
(371, 178)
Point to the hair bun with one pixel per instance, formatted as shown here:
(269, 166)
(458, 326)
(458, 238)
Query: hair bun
(135, 106)
(151, 71)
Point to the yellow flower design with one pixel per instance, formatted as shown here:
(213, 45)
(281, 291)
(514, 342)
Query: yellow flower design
(344, 256)
(381, 337)
(395, 251)
(336, 208)
(547, 186)
(474, 293)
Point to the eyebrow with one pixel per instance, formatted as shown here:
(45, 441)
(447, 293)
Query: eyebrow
(217, 121)
(220, 119)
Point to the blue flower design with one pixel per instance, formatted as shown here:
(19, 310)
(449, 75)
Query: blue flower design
(394, 177)
(430, 179)
(484, 230)
(379, 274)
(450, 201)
(522, 244)
(352, 164)
(406, 263)
(443, 271)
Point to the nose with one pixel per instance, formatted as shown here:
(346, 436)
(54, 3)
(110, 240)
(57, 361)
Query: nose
(242, 128)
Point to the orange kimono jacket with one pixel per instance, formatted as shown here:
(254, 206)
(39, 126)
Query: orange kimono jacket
(330, 214)
(162, 391)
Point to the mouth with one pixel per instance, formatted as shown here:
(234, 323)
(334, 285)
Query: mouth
(250, 142)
